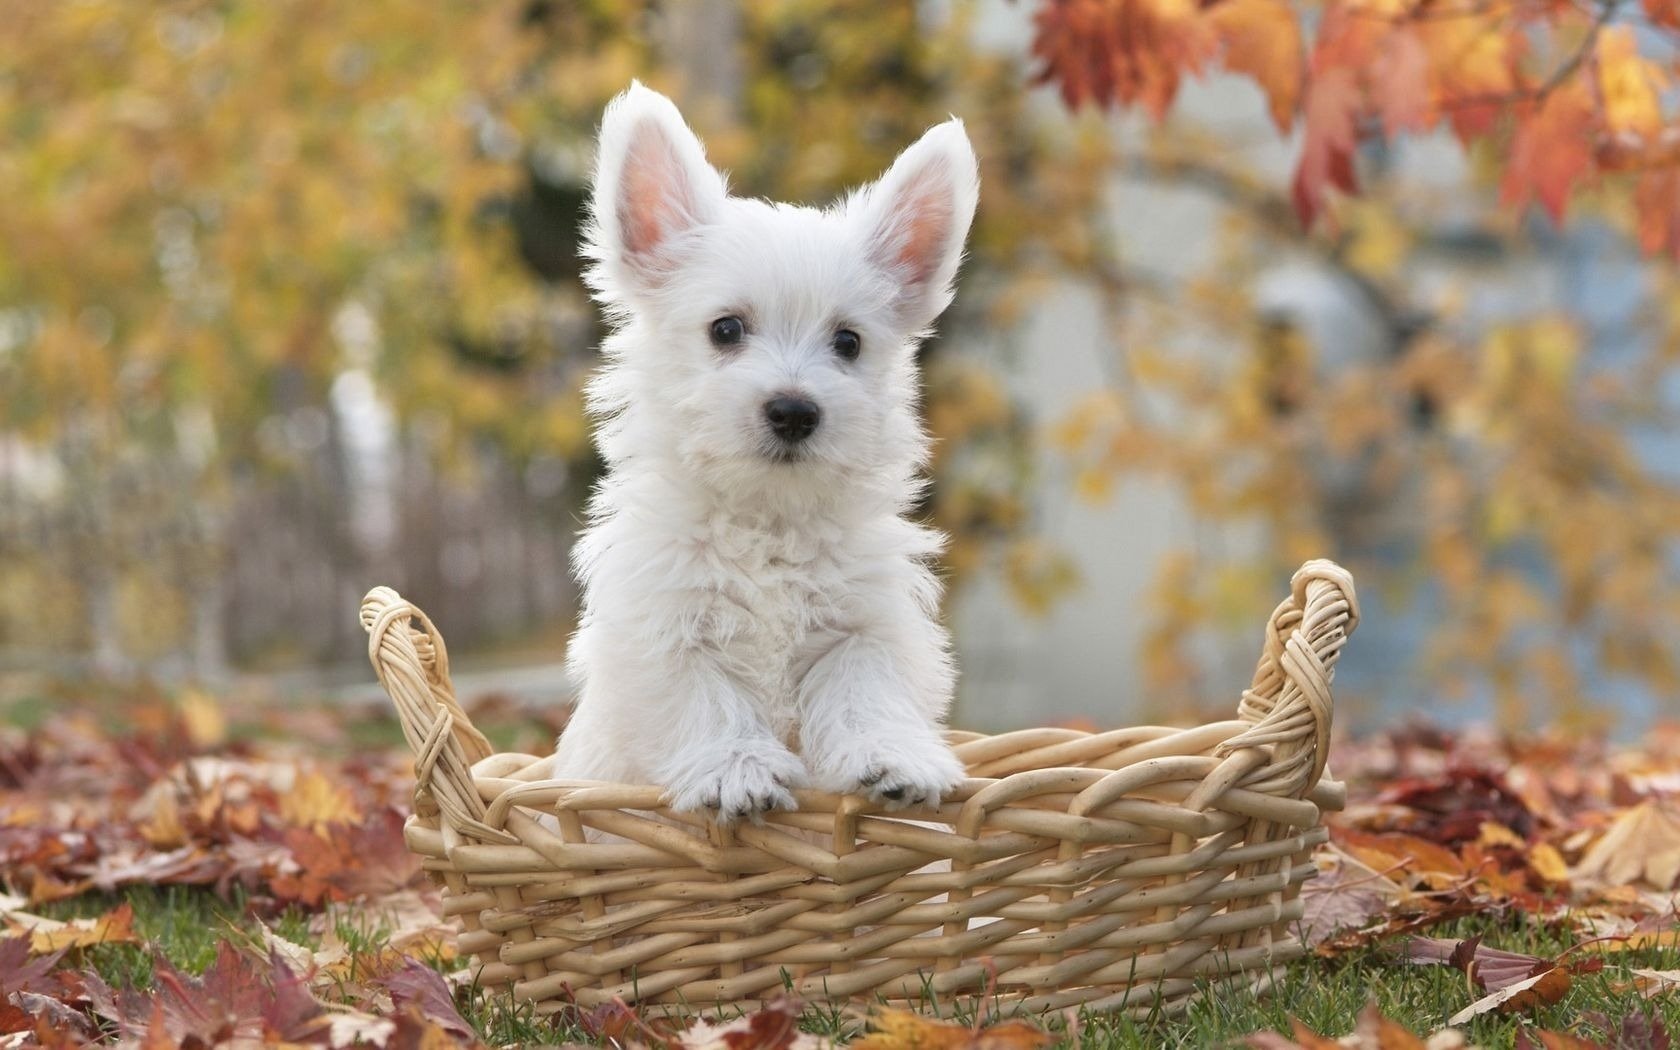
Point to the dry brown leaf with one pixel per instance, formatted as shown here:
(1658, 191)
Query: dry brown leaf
(114, 927)
(1541, 989)
(1346, 894)
(775, 1027)
(1643, 844)
(1652, 983)
(162, 826)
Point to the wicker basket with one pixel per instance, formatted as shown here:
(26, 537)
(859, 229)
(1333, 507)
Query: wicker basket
(1122, 870)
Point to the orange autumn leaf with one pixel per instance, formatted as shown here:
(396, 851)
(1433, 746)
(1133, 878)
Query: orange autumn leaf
(1629, 85)
(1373, 1030)
(906, 1030)
(1543, 989)
(1474, 75)
(1665, 13)
(114, 927)
(1552, 150)
(1404, 853)
(1656, 200)
(1262, 39)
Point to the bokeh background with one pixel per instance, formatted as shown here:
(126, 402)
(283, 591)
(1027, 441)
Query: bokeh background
(290, 306)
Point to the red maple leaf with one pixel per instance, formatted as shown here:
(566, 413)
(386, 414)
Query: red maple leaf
(1332, 110)
(1552, 149)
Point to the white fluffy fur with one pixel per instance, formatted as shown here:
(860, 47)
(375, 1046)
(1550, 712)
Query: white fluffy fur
(752, 624)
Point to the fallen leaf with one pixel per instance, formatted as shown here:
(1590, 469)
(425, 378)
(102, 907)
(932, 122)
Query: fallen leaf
(114, 927)
(1373, 1032)
(1548, 863)
(1652, 983)
(905, 1030)
(421, 987)
(1643, 844)
(203, 719)
(1346, 894)
(1542, 989)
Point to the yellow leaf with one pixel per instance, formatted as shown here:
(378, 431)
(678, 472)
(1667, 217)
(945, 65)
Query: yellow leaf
(1548, 863)
(1094, 484)
(1642, 844)
(162, 827)
(1638, 941)
(203, 719)
(314, 801)
(1629, 85)
(1263, 39)
(1495, 834)
(1377, 240)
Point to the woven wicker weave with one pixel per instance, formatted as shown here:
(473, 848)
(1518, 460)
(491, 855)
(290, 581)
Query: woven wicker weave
(1120, 869)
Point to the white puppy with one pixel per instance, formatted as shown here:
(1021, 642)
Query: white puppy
(758, 613)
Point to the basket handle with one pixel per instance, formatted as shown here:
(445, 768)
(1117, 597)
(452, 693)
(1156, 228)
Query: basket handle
(409, 657)
(1288, 706)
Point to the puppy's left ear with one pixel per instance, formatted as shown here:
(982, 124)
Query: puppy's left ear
(652, 189)
(914, 220)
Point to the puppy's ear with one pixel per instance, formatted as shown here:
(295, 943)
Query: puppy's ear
(652, 186)
(914, 220)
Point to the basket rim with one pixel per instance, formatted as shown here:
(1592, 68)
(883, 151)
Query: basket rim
(1277, 745)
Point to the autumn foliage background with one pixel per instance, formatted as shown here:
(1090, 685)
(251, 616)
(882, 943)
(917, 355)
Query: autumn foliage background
(289, 306)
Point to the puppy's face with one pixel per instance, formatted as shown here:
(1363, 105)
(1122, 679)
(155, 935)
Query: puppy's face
(769, 341)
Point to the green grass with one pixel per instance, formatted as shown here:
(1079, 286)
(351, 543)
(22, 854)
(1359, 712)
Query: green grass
(186, 924)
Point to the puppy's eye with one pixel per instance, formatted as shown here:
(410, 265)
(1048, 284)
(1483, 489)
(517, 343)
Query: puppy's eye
(727, 331)
(847, 344)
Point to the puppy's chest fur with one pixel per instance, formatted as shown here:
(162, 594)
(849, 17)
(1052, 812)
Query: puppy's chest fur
(763, 597)
(774, 602)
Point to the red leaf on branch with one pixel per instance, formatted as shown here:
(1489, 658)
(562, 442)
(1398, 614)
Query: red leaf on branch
(1552, 150)
(1262, 39)
(1474, 71)
(1665, 13)
(1656, 199)
(1125, 51)
(1332, 110)
(1399, 74)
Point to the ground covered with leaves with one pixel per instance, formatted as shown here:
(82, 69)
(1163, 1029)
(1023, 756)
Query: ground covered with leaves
(171, 880)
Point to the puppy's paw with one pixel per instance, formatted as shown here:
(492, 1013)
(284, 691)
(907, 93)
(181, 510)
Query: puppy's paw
(741, 785)
(898, 775)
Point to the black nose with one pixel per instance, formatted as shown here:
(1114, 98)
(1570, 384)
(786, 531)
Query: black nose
(792, 418)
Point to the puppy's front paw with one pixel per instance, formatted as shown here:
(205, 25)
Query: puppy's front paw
(741, 785)
(899, 775)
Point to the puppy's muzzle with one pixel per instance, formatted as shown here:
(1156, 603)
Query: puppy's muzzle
(793, 419)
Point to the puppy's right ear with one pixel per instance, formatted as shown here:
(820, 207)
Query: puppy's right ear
(652, 187)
